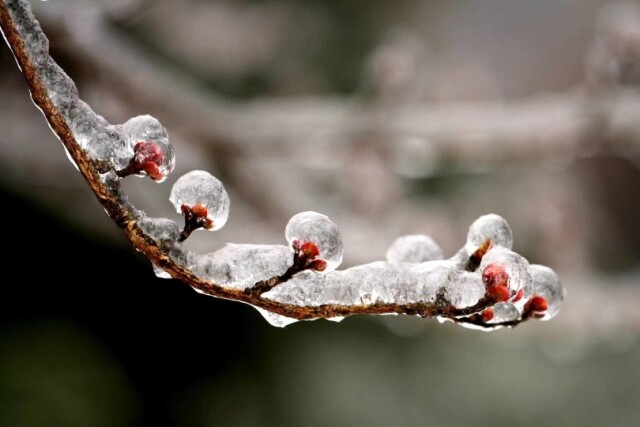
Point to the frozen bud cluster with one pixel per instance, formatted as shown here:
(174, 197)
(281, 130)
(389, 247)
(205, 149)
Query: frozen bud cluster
(546, 283)
(202, 199)
(240, 266)
(490, 227)
(147, 148)
(505, 273)
(414, 249)
(312, 227)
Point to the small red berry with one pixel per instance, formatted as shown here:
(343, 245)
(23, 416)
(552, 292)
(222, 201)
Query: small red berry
(495, 274)
(536, 303)
(318, 265)
(498, 293)
(518, 296)
(310, 250)
(199, 210)
(147, 158)
(487, 314)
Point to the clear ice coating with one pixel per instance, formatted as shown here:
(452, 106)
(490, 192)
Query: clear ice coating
(492, 227)
(546, 283)
(200, 187)
(504, 312)
(148, 129)
(382, 283)
(240, 266)
(414, 249)
(516, 266)
(317, 228)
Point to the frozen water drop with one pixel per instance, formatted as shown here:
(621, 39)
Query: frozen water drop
(516, 267)
(146, 140)
(546, 283)
(160, 273)
(317, 228)
(202, 188)
(275, 319)
(492, 227)
(415, 249)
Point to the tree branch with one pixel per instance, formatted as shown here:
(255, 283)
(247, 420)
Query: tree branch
(30, 48)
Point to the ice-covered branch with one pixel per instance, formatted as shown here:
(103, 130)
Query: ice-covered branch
(485, 284)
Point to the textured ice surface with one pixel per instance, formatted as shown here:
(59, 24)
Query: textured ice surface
(492, 227)
(414, 248)
(382, 282)
(60, 88)
(546, 283)
(317, 228)
(240, 266)
(200, 187)
(516, 266)
(504, 312)
(148, 129)
(160, 229)
(85, 124)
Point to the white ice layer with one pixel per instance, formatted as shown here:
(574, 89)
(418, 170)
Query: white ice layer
(241, 266)
(317, 228)
(200, 187)
(414, 249)
(546, 283)
(382, 282)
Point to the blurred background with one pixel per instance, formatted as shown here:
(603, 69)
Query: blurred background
(392, 118)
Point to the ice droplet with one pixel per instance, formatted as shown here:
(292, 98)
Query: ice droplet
(492, 227)
(147, 128)
(200, 187)
(317, 228)
(241, 265)
(546, 283)
(415, 249)
(160, 273)
(275, 319)
(516, 266)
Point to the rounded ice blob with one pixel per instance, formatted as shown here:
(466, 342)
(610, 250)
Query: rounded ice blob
(546, 283)
(317, 228)
(415, 249)
(147, 145)
(199, 189)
